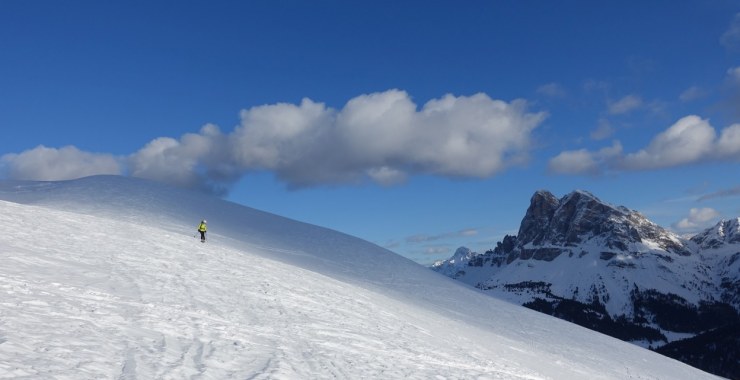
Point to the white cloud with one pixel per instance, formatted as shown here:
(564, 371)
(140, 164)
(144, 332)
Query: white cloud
(199, 161)
(698, 218)
(689, 140)
(731, 38)
(574, 162)
(729, 142)
(51, 164)
(625, 105)
(386, 176)
(281, 135)
(583, 161)
(382, 137)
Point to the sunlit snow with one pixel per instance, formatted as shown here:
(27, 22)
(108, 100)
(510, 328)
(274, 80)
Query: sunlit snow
(103, 278)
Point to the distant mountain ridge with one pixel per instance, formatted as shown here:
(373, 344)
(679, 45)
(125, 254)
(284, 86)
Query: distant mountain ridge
(609, 268)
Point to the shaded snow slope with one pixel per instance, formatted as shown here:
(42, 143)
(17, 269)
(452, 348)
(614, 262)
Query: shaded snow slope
(102, 278)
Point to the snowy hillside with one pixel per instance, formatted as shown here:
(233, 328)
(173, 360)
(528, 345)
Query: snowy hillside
(102, 278)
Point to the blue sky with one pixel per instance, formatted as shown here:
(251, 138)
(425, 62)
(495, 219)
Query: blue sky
(420, 126)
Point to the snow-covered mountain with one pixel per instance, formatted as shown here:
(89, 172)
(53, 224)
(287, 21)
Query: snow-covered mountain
(611, 269)
(720, 246)
(102, 278)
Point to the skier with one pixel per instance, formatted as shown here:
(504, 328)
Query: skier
(202, 228)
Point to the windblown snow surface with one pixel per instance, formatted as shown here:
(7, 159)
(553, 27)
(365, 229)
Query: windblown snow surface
(102, 278)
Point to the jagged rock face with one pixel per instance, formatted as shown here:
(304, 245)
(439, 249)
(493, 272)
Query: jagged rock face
(580, 216)
(724, 232)
(540, 212)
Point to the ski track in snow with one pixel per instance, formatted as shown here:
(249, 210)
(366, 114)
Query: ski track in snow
(148, 304)
(136, 296)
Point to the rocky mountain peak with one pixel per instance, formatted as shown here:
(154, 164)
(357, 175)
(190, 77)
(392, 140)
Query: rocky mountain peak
(455, 264)
(580, 216)
(541, 209)
(461, 254)
(724, 232)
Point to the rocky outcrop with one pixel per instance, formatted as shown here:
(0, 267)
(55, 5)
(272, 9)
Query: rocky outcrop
(560, 224)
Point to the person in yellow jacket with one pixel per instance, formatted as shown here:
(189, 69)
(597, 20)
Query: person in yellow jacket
(202, 228)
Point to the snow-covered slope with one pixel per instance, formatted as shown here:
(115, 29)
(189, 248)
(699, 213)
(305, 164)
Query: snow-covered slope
(102, 278)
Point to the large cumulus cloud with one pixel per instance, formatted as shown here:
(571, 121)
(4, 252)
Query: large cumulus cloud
(197, 160)
(383, 137)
